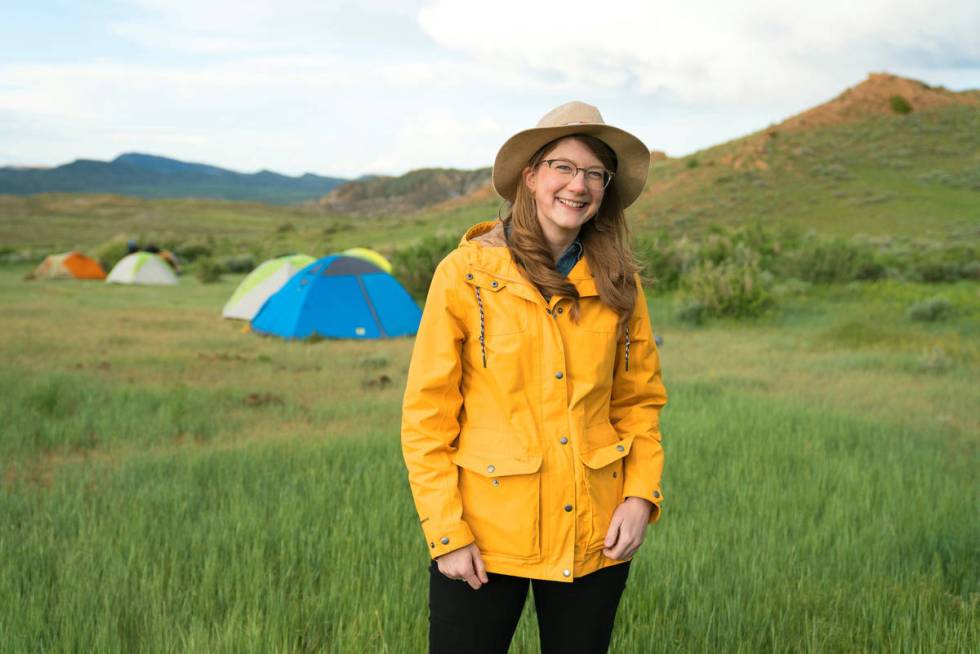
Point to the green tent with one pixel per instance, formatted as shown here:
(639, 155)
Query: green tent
(261, 283)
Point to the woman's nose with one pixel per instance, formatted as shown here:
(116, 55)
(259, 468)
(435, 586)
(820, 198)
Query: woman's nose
(577, 182)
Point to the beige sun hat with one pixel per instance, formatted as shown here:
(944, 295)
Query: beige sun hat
(573, 118)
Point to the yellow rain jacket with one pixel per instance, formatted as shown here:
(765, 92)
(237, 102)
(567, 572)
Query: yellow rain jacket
(522, 430)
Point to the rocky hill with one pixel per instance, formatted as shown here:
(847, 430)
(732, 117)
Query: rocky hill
(410, 192)
(889, 155)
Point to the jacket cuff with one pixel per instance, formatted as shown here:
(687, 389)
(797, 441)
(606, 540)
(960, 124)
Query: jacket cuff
(443, 539)
(654, 495)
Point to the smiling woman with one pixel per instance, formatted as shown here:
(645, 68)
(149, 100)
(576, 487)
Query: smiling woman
(530, 424)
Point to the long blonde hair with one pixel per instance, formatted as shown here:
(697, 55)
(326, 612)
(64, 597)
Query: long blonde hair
(605, 241)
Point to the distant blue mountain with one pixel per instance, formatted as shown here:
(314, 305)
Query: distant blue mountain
(151, 176)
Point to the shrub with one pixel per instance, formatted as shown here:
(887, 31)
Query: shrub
(931, 310)
(819, 260)
(762, 240)
(732, 288)
(193, 249)
(693, 312)
(791, 287)
(207, 270)
(934, 261)
(692, 163)
(934, 360)
(900, 105)
(414, 265)
(934, 272)
(970, 270)
(110, 252)
(662, 260)
(239, 263)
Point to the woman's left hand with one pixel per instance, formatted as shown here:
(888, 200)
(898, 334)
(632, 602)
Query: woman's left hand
(627, 528)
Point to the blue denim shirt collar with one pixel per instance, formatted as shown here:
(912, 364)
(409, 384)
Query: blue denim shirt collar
(569, 257)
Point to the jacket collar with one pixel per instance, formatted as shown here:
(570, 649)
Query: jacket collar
(488, 252)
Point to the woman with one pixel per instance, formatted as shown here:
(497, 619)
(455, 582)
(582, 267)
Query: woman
(530, 425)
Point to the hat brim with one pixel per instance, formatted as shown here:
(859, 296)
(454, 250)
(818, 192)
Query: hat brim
(632, 155)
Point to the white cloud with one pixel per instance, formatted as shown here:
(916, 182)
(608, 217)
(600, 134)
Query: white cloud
(704, 52)
(250, 26)
(428, 138)
(352, 86)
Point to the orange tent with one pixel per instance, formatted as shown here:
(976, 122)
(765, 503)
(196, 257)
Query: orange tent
(70, 265)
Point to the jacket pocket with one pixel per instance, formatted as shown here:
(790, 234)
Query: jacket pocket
(604, 480)
(502, 502)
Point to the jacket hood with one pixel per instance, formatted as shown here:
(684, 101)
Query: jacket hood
(487, 249)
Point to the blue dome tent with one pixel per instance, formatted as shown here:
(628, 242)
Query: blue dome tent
(339, 297)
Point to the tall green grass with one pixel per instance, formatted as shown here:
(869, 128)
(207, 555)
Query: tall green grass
(170, 484)
(786, 528)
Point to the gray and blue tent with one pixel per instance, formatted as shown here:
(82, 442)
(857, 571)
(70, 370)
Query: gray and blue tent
(339, 297)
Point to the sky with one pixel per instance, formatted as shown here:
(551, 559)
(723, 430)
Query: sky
(383, 87)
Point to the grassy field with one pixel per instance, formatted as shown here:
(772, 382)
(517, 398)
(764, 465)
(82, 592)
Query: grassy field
(170, 483)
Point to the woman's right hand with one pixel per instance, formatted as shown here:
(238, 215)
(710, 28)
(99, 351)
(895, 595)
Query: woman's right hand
(464, 564)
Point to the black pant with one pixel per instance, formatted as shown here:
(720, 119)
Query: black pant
(573, 617)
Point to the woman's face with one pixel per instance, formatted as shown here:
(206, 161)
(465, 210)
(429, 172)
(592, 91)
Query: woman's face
(564, 204)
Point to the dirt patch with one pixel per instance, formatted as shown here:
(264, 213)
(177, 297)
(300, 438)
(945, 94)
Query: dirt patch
(483, 194)
(263, 399)
(381, 381)
(873, 97)
(221, 356)
(105, 366)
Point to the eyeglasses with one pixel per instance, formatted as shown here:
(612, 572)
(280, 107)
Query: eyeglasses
(596, 179)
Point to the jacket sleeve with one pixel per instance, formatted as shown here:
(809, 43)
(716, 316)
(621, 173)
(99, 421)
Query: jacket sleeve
(430, 417)
(638, 395)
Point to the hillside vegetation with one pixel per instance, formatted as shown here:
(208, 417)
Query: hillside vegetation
(917, 174)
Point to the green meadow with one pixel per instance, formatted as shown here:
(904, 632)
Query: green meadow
(170, 483)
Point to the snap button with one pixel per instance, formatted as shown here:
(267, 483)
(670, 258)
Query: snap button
(563, 440)
(469, 275)
(561, 310)
(620, 448)
(566, 572)
(432, 545)
(496, 482)
(656, 494)
(494, 283)
(491, 468)
(548, 311)
(614, 474)
(559, 374)
(568, 508)
(444, 540)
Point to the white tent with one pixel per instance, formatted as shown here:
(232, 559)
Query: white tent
(142, 268)
(261, 283)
